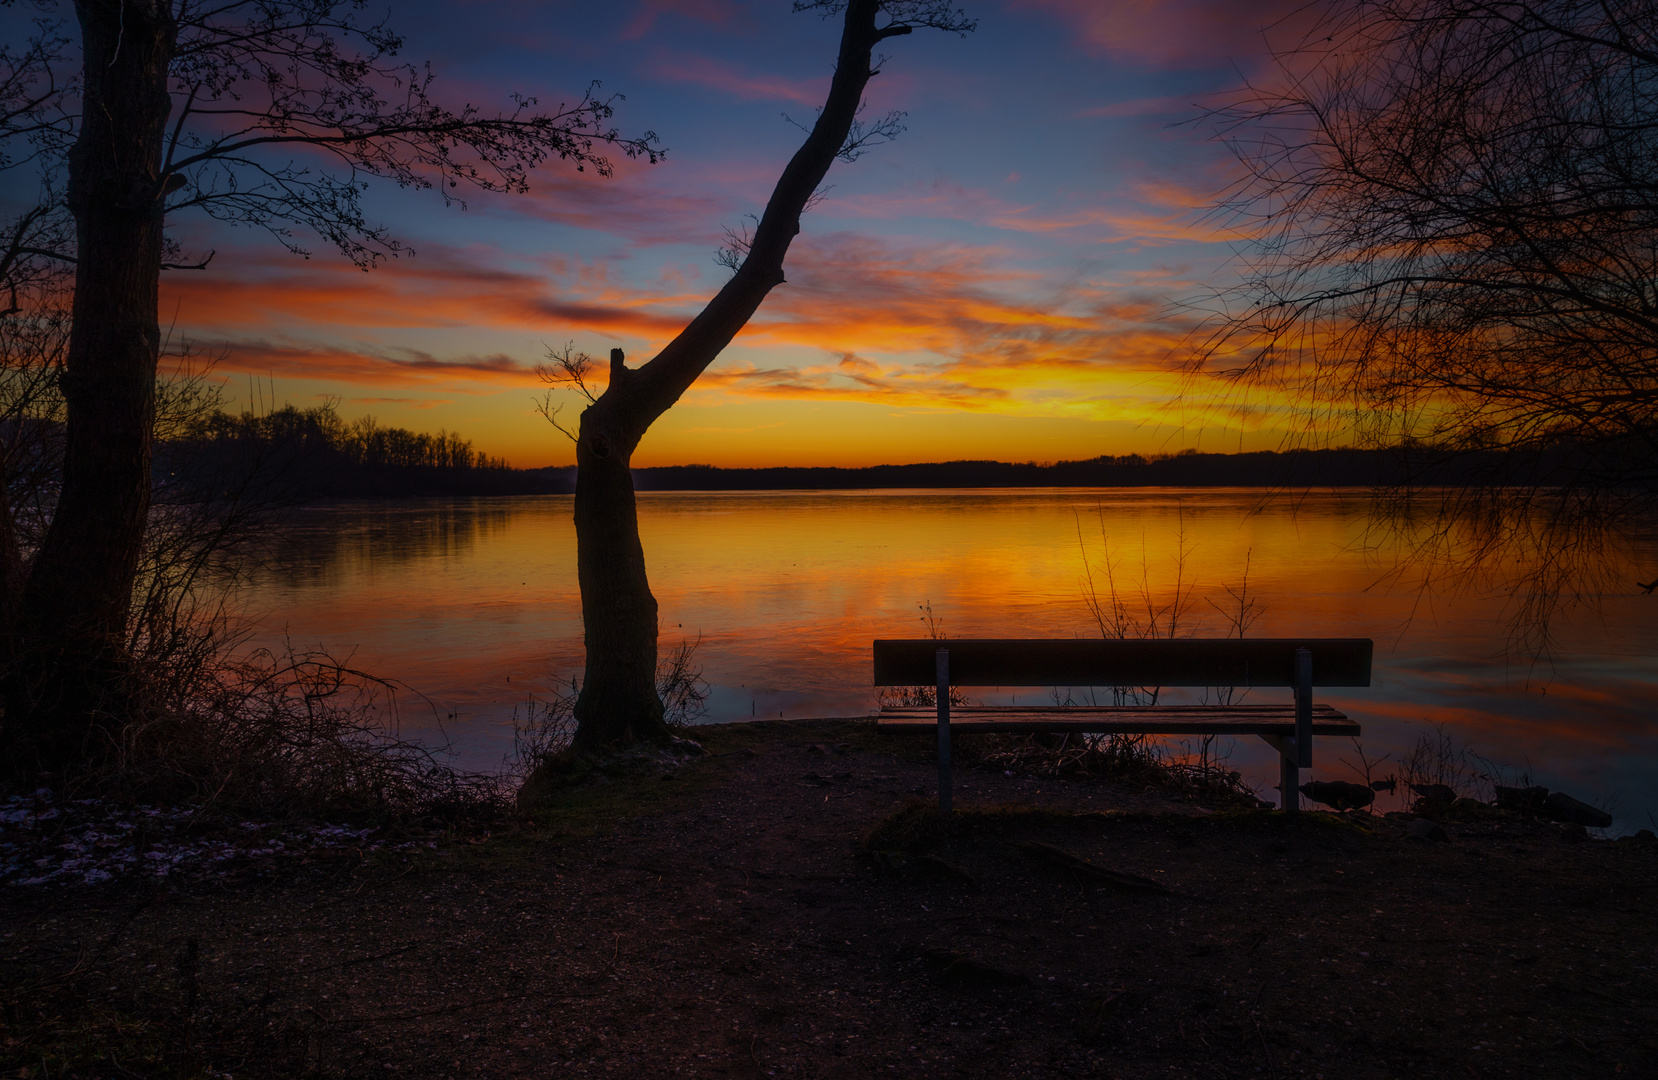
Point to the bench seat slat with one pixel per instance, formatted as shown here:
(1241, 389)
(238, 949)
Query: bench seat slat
(1122, 662)
(1123, 720)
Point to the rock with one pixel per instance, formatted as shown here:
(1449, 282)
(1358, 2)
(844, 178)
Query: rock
(1339, 794)
(1440, 793)
(1521, 800)
(1390, 785)
(687, 747)
(1561, 807)
(1467, 808)
(1425, 830)
(1573, 833)
(1646, 835)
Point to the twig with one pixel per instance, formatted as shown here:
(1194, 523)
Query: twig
(367, 959)
(1265, 1049)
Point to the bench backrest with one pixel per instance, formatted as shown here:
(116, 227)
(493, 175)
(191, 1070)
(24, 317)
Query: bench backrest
(1127, 662)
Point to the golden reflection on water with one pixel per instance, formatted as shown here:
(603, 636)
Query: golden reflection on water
(473, 603)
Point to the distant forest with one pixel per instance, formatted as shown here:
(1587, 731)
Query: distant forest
(314, 454)
(1296, 468)
(292, 454)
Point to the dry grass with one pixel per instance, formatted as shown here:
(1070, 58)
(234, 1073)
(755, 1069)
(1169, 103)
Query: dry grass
(203, 720)
(544, 729)
(1191, 771)
(289, 734)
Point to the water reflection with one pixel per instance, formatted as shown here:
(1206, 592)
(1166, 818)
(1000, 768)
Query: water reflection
(474, 603)
(346, 537)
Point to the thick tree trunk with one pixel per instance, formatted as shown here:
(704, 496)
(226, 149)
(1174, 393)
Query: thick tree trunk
(73, 615)
(11, 573)
(618, 700)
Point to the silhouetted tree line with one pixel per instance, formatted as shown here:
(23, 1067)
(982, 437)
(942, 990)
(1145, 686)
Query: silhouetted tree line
(292, 455)
(1394, 468)
(299, 455)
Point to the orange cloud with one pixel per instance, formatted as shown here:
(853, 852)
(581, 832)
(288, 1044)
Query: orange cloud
(394, 367)
(855, 294)
(445, 290)
(1182, 223)
(901, 321)
(853, 379)
(413, 403)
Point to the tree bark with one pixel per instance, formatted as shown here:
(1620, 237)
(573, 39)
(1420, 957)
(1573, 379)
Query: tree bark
(71, 671)
(618, 700)
(11, 572)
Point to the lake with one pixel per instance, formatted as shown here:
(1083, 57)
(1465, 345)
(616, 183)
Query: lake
(473, 604)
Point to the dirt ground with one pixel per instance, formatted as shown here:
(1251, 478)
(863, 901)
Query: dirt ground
(732, 917)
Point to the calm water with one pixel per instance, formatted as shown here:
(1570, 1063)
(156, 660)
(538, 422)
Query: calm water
(474, 604)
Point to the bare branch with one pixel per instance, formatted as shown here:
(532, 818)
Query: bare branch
(1450, 220)
(255, 82)
(1453, 217)
(202, 265)
(549, 411)
(738, 241)
(904, 16)
(567, 368)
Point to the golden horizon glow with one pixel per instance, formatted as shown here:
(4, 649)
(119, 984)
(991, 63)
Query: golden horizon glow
(1005, 282)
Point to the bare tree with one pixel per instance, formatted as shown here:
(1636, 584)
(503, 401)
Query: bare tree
(618, 700)
(266, 113)
(1453, 218)
(35, 131)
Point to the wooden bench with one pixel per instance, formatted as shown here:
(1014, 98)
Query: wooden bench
(1297, 663)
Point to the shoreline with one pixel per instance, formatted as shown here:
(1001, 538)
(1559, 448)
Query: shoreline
(788, 905)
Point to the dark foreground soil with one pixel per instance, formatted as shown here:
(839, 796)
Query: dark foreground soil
(735, 920)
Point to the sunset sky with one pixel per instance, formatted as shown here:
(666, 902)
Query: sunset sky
(1000, 282)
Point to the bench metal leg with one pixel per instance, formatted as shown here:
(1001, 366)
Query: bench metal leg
(1304, 708)
(944, 731)
(1289, 770)
(1290, 766)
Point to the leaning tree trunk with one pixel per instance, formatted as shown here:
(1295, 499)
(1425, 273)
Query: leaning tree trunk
(70, 672)
(618, 700)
